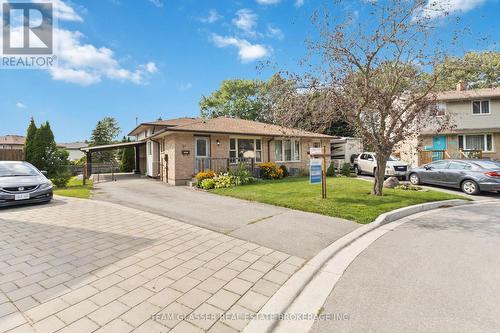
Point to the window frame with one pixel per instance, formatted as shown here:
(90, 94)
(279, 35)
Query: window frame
(463, 138)
(236, 146)
(293, 141)
(481, 113)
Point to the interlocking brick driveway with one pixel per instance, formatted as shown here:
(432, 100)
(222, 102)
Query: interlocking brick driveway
(85, 266)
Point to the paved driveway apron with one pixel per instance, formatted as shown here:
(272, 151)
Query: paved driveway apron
(295, 232)
(88, 266)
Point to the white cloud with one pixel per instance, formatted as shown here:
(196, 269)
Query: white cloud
(86, 64)
(247, 51)
(80, 77)
(299, 3)
(185, 86)
(21, 105)
(246, 20)
(150, 67)
(440, 8)
(213, 16)
(157, 3)
(274, 32)
(268, 2)
(64, 12)
(83, 63)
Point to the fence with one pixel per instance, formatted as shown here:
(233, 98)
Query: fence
(11, 155)
(219, 165)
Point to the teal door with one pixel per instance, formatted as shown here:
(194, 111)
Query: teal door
(438, 143)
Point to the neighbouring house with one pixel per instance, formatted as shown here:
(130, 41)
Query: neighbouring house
(475, 117)
(474, 130)
(175, 150)
(15, 142)
(12, 148)
(74, 149)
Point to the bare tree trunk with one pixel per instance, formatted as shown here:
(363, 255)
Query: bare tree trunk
(379, 175)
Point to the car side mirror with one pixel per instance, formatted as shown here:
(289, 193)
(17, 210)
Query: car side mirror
(428, 168)
(45, 173)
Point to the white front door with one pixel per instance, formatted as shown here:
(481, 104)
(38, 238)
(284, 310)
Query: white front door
(202, 154)
(202, 149)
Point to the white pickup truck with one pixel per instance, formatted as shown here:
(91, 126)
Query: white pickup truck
(366, 163)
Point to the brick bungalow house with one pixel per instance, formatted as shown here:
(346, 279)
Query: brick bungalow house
(175, 150)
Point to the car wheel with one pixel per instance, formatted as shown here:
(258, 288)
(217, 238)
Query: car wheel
(470, 187)
(414, 179)
(357, 170)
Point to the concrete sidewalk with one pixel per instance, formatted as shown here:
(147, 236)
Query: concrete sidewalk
(299, 233)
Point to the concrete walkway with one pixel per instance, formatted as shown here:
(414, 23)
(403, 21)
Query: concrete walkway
(438, 272)
(89, 266)
(299, 233)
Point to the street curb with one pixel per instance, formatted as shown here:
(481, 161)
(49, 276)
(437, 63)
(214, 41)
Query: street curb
(268, 317)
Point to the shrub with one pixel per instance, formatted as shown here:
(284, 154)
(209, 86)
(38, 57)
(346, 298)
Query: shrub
(61, 180)
(270, 171)
(408, 187)
(285, 171)
(330, 172)
(208, 174)
(346, 170)
(241, 176)
(207, 184)
(224, 181)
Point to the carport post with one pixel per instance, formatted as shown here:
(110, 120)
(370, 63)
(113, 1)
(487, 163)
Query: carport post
(88, 165)
(137, 160)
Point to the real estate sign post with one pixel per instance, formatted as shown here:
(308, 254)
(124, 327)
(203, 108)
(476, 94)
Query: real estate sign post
(317, 168)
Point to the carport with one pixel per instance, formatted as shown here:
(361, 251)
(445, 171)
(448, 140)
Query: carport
(139, 149)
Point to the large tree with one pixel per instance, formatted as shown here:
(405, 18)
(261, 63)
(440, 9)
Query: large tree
(235, 98)
(105, 132)
(371, 74)
(476, 69)
(45, 155)
(30, 139)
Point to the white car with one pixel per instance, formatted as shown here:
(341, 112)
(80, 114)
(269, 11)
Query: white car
(367, 164)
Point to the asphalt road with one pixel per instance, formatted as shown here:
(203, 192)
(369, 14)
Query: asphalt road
(436, 273)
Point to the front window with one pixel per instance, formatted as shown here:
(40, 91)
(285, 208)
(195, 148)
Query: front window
(482, 142)
(287, 150)
(245, 148)
(481, 107)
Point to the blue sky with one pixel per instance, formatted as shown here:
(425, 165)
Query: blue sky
(152, 58)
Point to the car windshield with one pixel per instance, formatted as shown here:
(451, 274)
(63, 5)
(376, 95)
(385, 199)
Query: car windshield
(16, 170)
(488, 164)
(390, 159)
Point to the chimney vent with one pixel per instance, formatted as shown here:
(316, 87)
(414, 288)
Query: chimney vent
(461, 85)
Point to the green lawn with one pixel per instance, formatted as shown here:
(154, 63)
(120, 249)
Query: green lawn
(348, 198)
(75, 189)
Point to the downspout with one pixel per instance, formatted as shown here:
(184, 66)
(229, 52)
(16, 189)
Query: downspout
(159, 160)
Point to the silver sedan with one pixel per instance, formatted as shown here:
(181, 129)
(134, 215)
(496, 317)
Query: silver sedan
(22, 183)
(471, 176)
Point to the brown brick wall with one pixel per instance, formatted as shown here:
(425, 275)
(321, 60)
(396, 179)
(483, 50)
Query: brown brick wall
(181, 167)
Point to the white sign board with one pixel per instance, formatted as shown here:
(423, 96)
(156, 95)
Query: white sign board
(315, 151)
